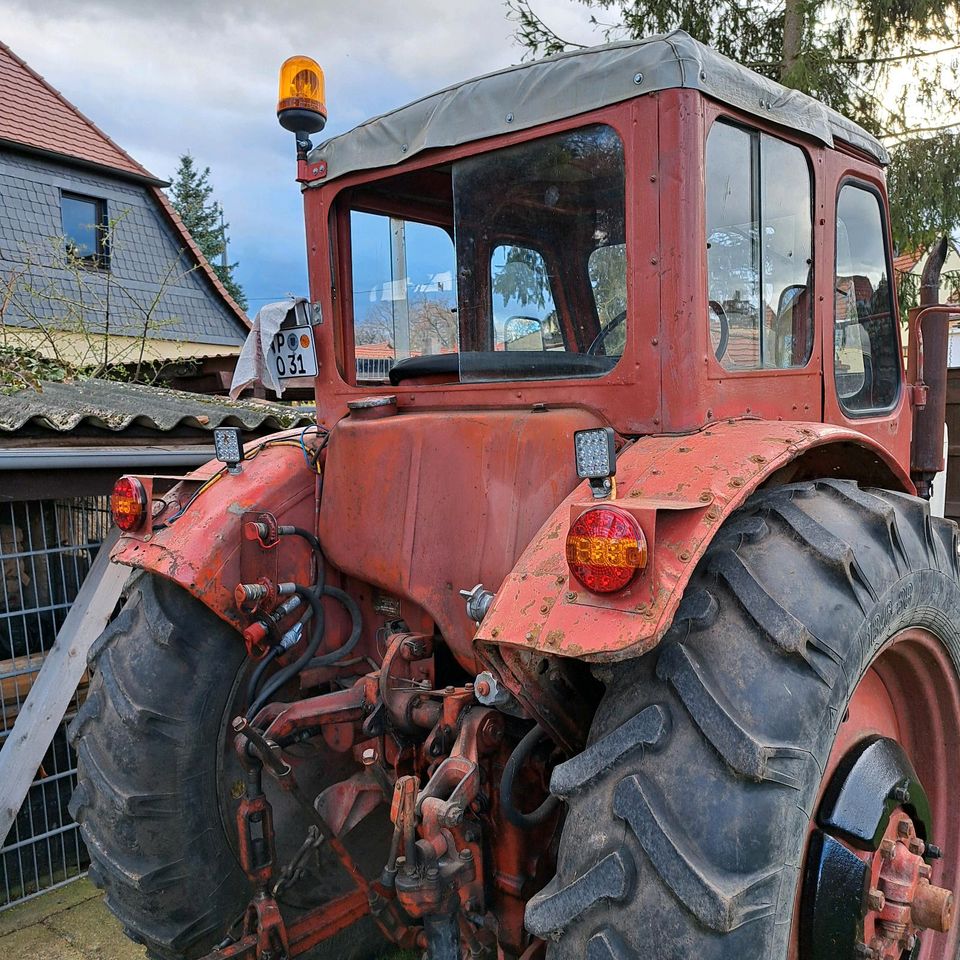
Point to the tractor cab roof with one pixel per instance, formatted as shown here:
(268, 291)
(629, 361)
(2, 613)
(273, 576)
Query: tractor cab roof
(568, 84)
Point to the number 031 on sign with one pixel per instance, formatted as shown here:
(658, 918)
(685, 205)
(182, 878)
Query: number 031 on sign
(292, 353)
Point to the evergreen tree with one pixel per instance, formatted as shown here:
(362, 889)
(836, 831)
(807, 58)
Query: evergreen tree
(883, 63)
(191, 195)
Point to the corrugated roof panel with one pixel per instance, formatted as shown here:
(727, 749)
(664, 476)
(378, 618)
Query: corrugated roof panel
(107, 405)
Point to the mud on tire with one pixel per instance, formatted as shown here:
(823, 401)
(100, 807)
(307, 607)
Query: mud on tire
(688, 811)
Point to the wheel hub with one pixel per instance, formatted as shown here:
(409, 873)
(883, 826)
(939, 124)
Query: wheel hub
(868, 888)
(901, 901)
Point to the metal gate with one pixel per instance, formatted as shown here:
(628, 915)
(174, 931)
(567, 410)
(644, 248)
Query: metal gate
(46, 549)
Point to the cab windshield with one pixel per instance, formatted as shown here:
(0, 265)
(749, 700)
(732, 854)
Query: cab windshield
(510, 265)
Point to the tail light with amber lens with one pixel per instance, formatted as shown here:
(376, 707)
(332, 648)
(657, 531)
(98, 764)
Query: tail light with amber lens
(605, 549)
(128, 503)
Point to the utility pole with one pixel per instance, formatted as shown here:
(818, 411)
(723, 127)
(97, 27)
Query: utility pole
(223, 241)
(398, 288)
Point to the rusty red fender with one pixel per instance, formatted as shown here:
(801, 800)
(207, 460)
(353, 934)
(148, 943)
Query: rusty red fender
(680, 489)
(201, 550)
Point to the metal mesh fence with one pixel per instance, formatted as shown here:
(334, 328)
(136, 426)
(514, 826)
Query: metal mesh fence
(46, 549)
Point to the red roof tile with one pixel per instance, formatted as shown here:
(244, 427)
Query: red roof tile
(374, 351)
(906, 261)
(35, 115)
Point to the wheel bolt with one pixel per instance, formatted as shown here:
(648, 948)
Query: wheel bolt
(916, 846)
(876, 900)
(903, 828)
(902, 794)
(933, 852)
(887, 849)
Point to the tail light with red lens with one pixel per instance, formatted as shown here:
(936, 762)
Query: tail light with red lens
(605, 549)
(128, 503)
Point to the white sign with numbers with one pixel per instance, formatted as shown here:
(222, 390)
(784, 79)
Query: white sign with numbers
(292, 353)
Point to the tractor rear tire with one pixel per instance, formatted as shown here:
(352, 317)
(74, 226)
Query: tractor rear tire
(148, 797)
(689, 811)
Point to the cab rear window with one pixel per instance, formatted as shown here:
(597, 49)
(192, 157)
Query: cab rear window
(509, 265)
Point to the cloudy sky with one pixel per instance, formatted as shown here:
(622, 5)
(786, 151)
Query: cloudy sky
(170, 76)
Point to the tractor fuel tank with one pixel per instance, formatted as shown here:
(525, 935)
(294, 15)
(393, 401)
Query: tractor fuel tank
(422, 505)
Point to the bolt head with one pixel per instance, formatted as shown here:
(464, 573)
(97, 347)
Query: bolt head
(887, 849)
(876, 900)
(369, 756)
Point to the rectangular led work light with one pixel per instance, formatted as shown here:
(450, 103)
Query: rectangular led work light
(596, 457)
(228, 447)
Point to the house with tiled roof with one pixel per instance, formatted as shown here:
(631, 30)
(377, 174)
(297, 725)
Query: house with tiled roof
(91, 248)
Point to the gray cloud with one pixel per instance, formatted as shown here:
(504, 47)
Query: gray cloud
(163, 78)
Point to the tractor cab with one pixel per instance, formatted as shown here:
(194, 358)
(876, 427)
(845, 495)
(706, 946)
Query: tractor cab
(665, 245)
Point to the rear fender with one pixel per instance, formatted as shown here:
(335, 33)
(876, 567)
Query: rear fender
(681, 490)
(201, 549)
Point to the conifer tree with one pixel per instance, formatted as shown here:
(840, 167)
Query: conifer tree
(887, 64)
(191, 194)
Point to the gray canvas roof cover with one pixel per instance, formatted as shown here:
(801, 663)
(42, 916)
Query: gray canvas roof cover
(568, 84)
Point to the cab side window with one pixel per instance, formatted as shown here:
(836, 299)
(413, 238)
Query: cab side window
(759, 242)
(865, 337)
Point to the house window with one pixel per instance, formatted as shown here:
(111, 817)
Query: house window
(85, 228)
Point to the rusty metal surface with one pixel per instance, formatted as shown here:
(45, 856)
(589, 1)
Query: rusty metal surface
(424, 504)
(201, 550)
(707, 475)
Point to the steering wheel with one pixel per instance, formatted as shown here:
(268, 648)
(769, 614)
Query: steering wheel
(715, 306)
(601, 338)
(724, 328)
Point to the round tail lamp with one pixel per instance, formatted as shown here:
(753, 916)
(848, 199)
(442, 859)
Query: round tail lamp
(605, 549)
(128, 503)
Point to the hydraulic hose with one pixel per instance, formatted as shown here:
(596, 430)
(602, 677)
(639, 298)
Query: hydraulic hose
(307, 658)
(314, 542)
(254, 685)
(291, 670)
(356, 620)
(523, 750)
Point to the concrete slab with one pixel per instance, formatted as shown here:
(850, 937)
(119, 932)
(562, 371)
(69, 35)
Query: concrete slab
(33, 911)
(37, 943)
(90, 928)
(71, 923)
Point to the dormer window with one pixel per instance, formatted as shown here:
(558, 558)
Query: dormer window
(85, 228)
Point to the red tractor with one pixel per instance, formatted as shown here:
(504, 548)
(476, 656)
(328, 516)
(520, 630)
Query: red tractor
(603, 614)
